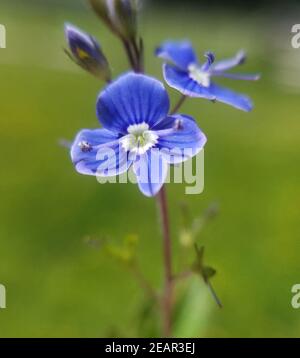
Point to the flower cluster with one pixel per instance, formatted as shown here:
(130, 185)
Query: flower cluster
(138, 128)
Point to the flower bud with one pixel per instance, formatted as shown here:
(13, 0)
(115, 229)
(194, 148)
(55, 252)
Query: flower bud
(86, 52)
(104, 9)
(119, 15)
(126, 16)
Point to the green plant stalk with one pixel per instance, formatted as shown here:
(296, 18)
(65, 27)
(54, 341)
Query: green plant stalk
(167, 296)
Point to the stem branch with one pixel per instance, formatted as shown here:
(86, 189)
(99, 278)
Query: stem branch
(178, 104)
(143, 282)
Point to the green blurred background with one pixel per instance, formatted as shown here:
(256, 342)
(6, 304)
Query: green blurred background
(57, 285)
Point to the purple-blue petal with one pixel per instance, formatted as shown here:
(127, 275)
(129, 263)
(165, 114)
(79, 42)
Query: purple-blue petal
(151, 171)
(180, 138)
(232, 98)
(238, 76)
(98, 152)
(181, 81)
(132, 99)
(227, 64)
(180, 53)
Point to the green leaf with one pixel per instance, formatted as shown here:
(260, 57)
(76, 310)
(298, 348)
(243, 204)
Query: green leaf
(208, 272)
(131, 240)
(192, 311)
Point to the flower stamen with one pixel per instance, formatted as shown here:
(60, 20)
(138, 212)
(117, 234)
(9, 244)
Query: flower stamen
(199, 76)
(139, 138)
(178, 125)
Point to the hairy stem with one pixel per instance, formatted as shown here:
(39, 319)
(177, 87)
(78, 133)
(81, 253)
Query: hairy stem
(179, 104)
(167, 252)
(167, 258)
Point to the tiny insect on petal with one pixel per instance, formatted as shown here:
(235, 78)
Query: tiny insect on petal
(85, 147)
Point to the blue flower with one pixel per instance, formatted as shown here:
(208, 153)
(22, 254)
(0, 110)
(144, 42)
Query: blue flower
(137, 131)
(184, 72)
(86, 52)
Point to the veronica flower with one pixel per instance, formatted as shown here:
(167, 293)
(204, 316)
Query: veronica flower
(86, 52)
(137, 132)
(185, 73)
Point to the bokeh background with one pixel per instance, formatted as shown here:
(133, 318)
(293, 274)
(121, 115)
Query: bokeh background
(60, 286)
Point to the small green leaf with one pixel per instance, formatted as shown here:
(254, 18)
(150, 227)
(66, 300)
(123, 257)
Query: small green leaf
(131, 240)
(120, 254)
(208, 272)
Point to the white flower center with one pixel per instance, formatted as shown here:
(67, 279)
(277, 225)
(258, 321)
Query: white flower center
(139, 139)
(199, 76)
